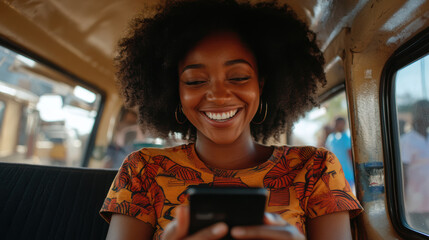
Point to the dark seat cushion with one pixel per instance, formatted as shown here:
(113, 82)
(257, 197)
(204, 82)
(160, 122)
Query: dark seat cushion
(44, 202)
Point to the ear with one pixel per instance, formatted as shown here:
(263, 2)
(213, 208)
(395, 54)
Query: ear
(261, 85)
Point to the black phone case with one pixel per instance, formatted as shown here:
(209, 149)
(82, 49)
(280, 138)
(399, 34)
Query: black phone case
(234, 206)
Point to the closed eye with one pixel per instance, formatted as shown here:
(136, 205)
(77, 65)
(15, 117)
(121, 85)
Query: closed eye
(193, 83)
(238, 79)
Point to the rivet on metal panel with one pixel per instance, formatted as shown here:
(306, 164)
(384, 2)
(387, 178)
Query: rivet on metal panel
(368, 73)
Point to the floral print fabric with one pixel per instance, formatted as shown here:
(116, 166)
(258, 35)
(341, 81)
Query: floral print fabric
(302, 182)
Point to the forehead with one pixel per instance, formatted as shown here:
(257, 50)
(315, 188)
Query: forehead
(222, 46)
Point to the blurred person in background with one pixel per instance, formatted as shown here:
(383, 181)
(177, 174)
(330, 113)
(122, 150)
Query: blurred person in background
(415, 157)
(126, 132)
(325, 131)
(339, 143)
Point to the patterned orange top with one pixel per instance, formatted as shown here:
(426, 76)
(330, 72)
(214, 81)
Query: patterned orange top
(302, 182)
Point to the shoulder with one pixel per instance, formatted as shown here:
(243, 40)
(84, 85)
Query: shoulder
(308, 155)
(149, 155)
(306, 152)
(330, 137)
(409, 136)
(177, 153)
(151, 151)
(411, 140)
(346, 134)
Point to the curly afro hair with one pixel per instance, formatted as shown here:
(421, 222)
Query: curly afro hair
(289, 61)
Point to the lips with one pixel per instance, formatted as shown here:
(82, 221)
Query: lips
(221, 116)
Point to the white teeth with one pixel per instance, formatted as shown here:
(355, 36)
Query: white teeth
(221, 116)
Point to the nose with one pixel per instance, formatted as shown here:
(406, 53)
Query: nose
(218, 93)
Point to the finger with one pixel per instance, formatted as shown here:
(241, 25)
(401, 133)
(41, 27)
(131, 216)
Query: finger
(215, 231)
(182, 215)
(178, 228)
(170, 231)
(266, 232)
(274, 219)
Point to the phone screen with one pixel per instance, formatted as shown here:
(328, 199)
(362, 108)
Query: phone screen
(234, 206)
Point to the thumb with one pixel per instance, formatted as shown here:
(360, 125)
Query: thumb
(178, 228)
(182, 216)
(274, 219)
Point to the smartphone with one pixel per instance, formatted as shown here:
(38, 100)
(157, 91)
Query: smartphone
(234, 206)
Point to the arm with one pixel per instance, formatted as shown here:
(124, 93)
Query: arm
(129, 228)
(326, 218)
(331, 226)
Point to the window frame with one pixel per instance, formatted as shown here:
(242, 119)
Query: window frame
(91, 139)
(332, 92)
(2, 114)
(411, 51)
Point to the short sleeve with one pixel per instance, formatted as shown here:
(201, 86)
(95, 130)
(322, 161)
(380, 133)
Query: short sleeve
(129, 193)
(331, 192)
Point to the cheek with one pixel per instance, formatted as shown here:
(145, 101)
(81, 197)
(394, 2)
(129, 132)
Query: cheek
(251, 96)
(184, 96)
(189, 100)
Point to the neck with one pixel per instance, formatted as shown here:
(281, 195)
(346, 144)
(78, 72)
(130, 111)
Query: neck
(242, 153)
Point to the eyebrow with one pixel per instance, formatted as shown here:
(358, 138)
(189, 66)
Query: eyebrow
(227, 63)
(236, 61)
(192, 66)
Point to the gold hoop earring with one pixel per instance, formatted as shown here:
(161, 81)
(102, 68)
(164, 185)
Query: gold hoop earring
(179, 107)
(260, 111)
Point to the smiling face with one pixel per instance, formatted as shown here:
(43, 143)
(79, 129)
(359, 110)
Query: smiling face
(219, 88)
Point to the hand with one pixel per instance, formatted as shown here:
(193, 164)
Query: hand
(275, 228)
(178, 228)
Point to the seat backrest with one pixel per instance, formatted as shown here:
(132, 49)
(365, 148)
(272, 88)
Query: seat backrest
(45, 202)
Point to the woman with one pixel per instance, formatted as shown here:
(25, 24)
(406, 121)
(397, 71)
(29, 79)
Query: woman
(225, 75)
(415, 158)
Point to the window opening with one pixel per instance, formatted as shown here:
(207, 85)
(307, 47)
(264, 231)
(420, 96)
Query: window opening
(412, 104)
(46, 117)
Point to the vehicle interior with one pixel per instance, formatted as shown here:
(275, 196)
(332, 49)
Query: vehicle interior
(64, 130)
